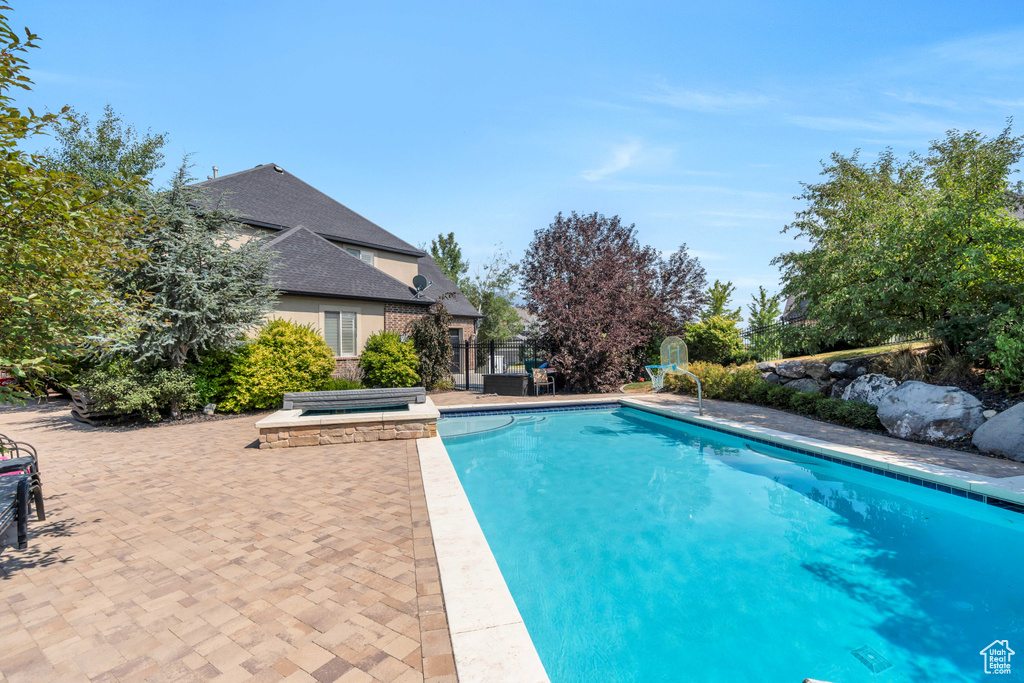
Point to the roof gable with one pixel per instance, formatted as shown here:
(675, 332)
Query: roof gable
(270, 196)
(310, 264)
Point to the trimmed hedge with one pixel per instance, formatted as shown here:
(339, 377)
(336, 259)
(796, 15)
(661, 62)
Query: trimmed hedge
(744, 385)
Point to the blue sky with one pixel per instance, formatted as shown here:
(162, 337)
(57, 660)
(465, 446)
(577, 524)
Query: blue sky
(696, 122)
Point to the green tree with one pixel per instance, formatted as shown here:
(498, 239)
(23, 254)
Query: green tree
(61, 237)
(764, 309)
(898, 246)
(105, 153)
(447, 254)
(204, 294)
(490, 290)
(719, 299)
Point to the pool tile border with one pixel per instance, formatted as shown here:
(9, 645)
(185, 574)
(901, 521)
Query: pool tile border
(458, 412)
(1008, 492)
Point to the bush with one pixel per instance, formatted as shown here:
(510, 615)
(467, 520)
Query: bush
(781, 397)
(123, 388)
(284, 357)
(433, 343)
(211, 376)
(759, 392)
(832, 409)
(340, 384)
(716, 340)
(389, 362)
(806, 402)
(1007, 358)
(742, 384)
(859, 414)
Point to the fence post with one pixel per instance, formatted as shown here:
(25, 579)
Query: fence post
(467, 365)
(490, 368)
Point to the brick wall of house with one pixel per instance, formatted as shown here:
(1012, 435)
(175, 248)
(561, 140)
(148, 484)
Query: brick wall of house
(400, 317)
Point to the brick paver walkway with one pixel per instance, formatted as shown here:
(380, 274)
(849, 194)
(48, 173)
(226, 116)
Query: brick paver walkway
(182, 553)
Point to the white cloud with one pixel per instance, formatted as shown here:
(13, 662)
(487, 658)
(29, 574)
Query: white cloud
(631, 154)
(695, 100)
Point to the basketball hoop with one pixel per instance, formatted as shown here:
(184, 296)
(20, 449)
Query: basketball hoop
(657, 374)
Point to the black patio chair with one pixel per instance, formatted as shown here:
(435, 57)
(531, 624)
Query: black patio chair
(14, 497)
(20, 457)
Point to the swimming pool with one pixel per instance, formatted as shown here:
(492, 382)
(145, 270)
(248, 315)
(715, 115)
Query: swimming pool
(640, 548)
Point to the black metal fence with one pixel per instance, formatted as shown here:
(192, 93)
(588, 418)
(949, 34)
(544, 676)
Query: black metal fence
(472, 360)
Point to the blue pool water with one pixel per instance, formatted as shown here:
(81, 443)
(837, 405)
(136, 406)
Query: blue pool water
(639, 548)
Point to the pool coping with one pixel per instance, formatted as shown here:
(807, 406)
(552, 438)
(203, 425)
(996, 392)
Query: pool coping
(1005, 492)
(489, 637)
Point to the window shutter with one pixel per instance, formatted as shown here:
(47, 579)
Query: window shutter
(348, 334)
(332, 331)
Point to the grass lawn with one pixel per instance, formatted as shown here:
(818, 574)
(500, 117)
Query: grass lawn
(867, 351)
(638, 388)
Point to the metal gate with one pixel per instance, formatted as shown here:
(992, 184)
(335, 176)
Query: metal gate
(472, 360)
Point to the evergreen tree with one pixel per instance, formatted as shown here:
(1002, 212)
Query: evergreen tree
(490, 291)
(447, 254)
(719, 298)
(764, 309)
(204, 293)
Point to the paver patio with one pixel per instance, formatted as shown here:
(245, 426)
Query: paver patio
(179, 553)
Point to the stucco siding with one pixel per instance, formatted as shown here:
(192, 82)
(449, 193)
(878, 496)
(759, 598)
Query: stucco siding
(310, 310)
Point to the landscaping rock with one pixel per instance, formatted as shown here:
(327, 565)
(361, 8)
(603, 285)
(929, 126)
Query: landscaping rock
(767, 366)
(771, 378)
(839, 387)
(989, 414)
(859, 371)
(805, 384)
(209, 409)
(839, 368)
(790, 369)
(925, 411)
(1003, 434)
(817, 370)
(869, 389)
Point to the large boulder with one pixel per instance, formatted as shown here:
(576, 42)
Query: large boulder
(839, 387)
(1003, 434)
(848, 370)
(766, 366)
(869, 389)
(839, 368)
(817, 370)
(925, 411)
(791, 369)
(771, 378)
(805, 384)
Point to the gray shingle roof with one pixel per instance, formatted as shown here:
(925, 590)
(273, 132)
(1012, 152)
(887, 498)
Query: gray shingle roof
(309, 264)
(270, 196)
(457, 305)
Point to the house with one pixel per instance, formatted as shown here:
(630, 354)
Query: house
(336, 270)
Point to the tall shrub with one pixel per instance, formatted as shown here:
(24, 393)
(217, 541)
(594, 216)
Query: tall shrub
(1007, 358)
(284, 357)
(434, 346)
(600, 296)
(389, 362)
(715, 340)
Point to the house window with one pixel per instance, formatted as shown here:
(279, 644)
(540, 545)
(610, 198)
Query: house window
(361, 254)
(340, 332)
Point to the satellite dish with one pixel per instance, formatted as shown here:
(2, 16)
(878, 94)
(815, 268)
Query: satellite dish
(419, 282)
